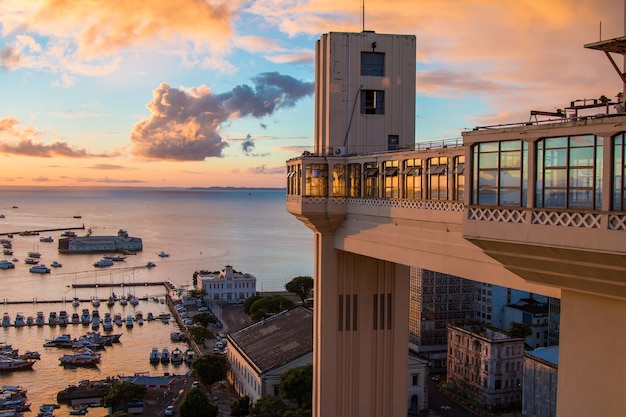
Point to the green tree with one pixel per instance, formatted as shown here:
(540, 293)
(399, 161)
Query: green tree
(200, 334)
(195, 403)
(120, 395)
(521, 330)
(300, 286)
(248, 303)
(210, 368)
(240, 407)
(269, 305)
(269, 407)
(297, 385)
(204, 319)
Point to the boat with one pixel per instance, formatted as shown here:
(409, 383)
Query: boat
(34, 254)
(75, 302)
(4, 264)
(163, 254)
(30, 321)
(103, 263)
(134, 300)
(165, 355)
(19, 320)
(107, 324)
(85, 317)
(150, 316)
(150, 264)
(95, 323)
(80, 357)
(63, 318)
(75, 318)
(62, 341)
(77, 216)
(46, 239)
(175, 336)
(79, 410)
(177, 356)
(6, 320)
(28, 233)
(68, 233)
(123, 301)
(56, 264)
(31, 261)
(190, 355)
(110, 301)
(117, 318)
(39, 269)
(129, 322)
(15, 364)
(139, 318)
(95, 302)
(155, 356)
(53, 319)
(7, 251)
(115, 258)
(40, 319)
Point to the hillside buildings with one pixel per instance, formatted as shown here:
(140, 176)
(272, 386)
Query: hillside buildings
(227, 285)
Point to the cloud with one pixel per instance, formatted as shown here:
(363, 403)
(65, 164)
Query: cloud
(184, 124)
(107, 167)
(108, 180)
(247, 145)
(9, 58)
(265, 170)
(27, 147)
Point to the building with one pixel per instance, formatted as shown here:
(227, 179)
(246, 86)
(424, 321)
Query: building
(418, 387)
(533, 313)
(227, 285)
(437, 299)
(485, 365)
(261, 353)
(93, 244)
(540, 382)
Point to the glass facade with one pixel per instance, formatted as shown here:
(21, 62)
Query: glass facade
(619, 169)
(339, 180)
(316, 180)
(569, 172)
(412, 174)
(370, 179)
(391, 179)
(437, 178)
(354, 180)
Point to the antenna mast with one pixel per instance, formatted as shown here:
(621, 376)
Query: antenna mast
(363, 8)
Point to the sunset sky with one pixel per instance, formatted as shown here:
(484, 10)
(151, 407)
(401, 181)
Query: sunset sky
(199, 93)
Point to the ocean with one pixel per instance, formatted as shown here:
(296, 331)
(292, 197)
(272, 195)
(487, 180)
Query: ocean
(200, 229)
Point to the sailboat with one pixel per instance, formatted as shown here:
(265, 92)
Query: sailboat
(96, 301)
(75, 301)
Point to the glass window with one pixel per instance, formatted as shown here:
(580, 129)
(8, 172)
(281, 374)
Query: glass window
(316, 180)
(412, 174)
(293, 179)
(500, 176)
(619, 168)
(373, 64)
(569, 172)
(437, 178)
(354, 180)
(372, 102)
(459, 178)
(370, 179)
(339, 180)
(391, 179)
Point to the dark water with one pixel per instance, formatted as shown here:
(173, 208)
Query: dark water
(248, 229)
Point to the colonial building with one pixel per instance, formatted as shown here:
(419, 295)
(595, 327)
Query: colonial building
(227, 285)
(485, 364)
(261, 353)
(418, 392)
(533, 313)
(540, 382)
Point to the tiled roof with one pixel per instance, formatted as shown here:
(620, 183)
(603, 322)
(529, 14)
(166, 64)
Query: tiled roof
(277, 340)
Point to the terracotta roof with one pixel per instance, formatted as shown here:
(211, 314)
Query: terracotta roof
(277, 340)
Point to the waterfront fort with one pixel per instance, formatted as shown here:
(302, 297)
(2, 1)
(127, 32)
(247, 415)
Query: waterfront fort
(105, 244)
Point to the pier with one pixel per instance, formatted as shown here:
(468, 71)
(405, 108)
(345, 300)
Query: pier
(44, 230)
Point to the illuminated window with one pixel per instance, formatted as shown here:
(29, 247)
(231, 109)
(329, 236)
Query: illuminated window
(459, 177)
(339, 180)
(390, 178)
(316, 180)
(619, 169)
(437, 178)
(372, 102)
(354, 180)
(412, 174)
(370, 180)
(373, 64)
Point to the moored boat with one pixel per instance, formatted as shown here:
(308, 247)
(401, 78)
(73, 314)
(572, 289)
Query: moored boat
(56, 264)
(5, 264)
(31, 261)
(177, 356)
(165, 355)
(15, 364)
(40, 269)
(80, 357)
(103, 263)
(154, 355)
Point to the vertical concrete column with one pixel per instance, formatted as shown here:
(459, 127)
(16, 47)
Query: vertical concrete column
(592, 356)
(361, 334)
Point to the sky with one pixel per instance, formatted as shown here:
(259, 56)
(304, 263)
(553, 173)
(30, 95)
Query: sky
(204, 93)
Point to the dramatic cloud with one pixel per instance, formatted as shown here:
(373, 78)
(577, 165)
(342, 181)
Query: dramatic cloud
(184, 125)
(247, 145)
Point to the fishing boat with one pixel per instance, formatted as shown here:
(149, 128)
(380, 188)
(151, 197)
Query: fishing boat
(15, 364)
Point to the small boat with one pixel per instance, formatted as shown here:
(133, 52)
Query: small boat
(95, 302)
(110, 301)
(134, 300)
(150, 264)
(15, 364)
(175, 336)
(31, 261)
(75, 318)
(56, 264)
(40, 319)
(163, 254)
(63, 318)
(123, 301)
(68, 233)
(117, 318)
(19, 320)
(155, 356)
(129, 322)
(4, 264)
(32, 354)
(30, 321)
(115, 258)
(34, 254)
(150, 316)
(85, 317)
(62, 341)
(7, 251)
(80, 357)
(39, 269)
(75, 302)
(53, 319)
(103, 263)
(95, 323)
(46, 239)
(107, 324)
(177, 356)
(139, 318)
(77, 216)
(6, 320)
(190, 355)
(165, 355)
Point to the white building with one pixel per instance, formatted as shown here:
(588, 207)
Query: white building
(541, 368)
(227, 285)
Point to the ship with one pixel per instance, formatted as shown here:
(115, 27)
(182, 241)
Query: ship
(122, 243)
(15, 364)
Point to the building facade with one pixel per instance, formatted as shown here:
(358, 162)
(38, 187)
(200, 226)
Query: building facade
(485, 365)
(540, 382)
(534, 314)
(227, 285)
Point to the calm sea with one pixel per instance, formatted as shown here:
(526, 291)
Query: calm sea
(199, 229)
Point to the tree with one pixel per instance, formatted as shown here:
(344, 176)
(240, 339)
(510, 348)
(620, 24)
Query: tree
(195, 403)
(210, 368)
(269, 305)
(300, 286)
(240, 407)
(269, 407)
(204, 319)
(521, 330)
(297, 385)
(200, 334)
(120, 395)
(248, 303)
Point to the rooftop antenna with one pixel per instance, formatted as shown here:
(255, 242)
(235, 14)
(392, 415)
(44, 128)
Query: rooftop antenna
(363, 19)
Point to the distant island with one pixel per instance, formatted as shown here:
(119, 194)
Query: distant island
(237, 188)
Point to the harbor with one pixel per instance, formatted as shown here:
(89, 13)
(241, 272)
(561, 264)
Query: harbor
(38, 231)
